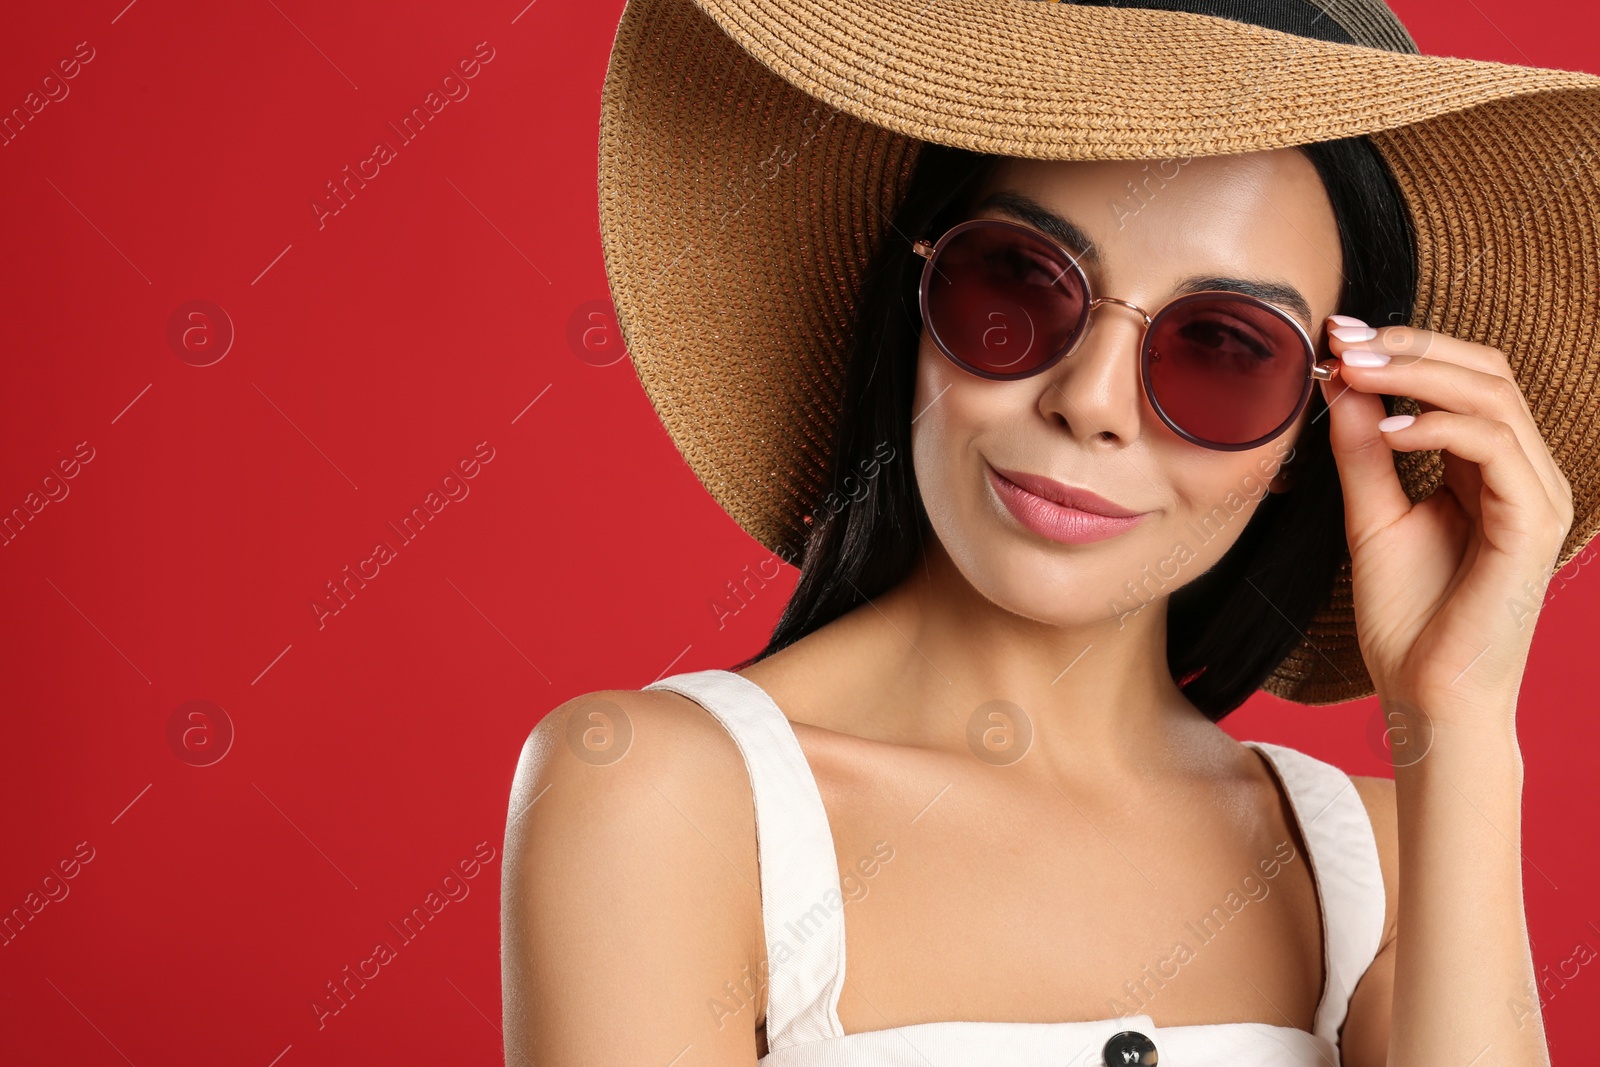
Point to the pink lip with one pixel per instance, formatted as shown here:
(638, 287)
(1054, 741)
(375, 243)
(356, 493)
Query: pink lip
(1060, 512)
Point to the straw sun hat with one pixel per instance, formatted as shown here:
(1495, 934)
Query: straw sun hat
(753, 151)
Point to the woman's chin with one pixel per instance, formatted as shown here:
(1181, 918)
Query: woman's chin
(1067, 596)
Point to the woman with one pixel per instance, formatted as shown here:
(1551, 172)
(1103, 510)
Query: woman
(1110, 445)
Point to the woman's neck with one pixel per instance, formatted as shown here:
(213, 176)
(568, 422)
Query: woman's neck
(924, 663)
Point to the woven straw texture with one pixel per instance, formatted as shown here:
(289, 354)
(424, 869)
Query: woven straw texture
(753, 151)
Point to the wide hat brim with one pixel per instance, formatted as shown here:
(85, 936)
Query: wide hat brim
(752, 153)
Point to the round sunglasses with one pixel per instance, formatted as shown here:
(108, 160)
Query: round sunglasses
(1223, 370)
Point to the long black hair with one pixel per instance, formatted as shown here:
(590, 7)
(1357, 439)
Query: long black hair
(1229, 628)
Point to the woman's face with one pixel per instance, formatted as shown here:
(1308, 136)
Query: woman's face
(1262, 217)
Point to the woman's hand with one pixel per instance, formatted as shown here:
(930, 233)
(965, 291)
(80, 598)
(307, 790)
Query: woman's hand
(1446, 591)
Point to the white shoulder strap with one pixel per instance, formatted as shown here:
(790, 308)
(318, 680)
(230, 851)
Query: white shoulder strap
(801, 905)
(1344, 863)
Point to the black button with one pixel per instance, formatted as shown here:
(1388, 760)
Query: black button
(1130, 1046)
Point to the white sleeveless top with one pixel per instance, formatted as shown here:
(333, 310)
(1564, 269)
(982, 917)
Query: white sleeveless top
(799, 869)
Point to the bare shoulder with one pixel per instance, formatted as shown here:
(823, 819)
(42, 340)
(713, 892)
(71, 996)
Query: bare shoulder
(645, 735)
(603, 759)
(630, 893)
(1377, 794)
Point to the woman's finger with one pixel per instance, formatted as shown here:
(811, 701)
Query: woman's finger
(1517, 504)
(1454, 375)
(1452, 387)
(1373, 495)
(1346, 333)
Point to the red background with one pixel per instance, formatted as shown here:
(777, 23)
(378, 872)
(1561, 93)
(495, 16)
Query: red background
(374, 752)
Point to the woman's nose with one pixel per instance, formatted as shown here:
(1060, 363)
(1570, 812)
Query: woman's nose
(1095, 390)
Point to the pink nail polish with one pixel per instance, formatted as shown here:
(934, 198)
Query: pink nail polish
(1346, 320)
(1360, 357)
(1396, 422)
(1351, 333)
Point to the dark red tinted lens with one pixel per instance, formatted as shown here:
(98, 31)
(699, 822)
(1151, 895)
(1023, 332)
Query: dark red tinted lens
(1226, 370)
(1003, 302)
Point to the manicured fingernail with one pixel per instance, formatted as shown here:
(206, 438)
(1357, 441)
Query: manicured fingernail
(1360, 357)
(1353, 333)
(1346, 320)
(1396, 422)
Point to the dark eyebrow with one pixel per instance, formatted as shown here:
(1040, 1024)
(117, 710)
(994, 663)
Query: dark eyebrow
(1284, 296)
(1069, 234)
(1041, 218)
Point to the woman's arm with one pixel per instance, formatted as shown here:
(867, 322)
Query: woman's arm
(1451, 984)
(1364, 1040)
(1446, 592)
(629, 889)
(1463, 956)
